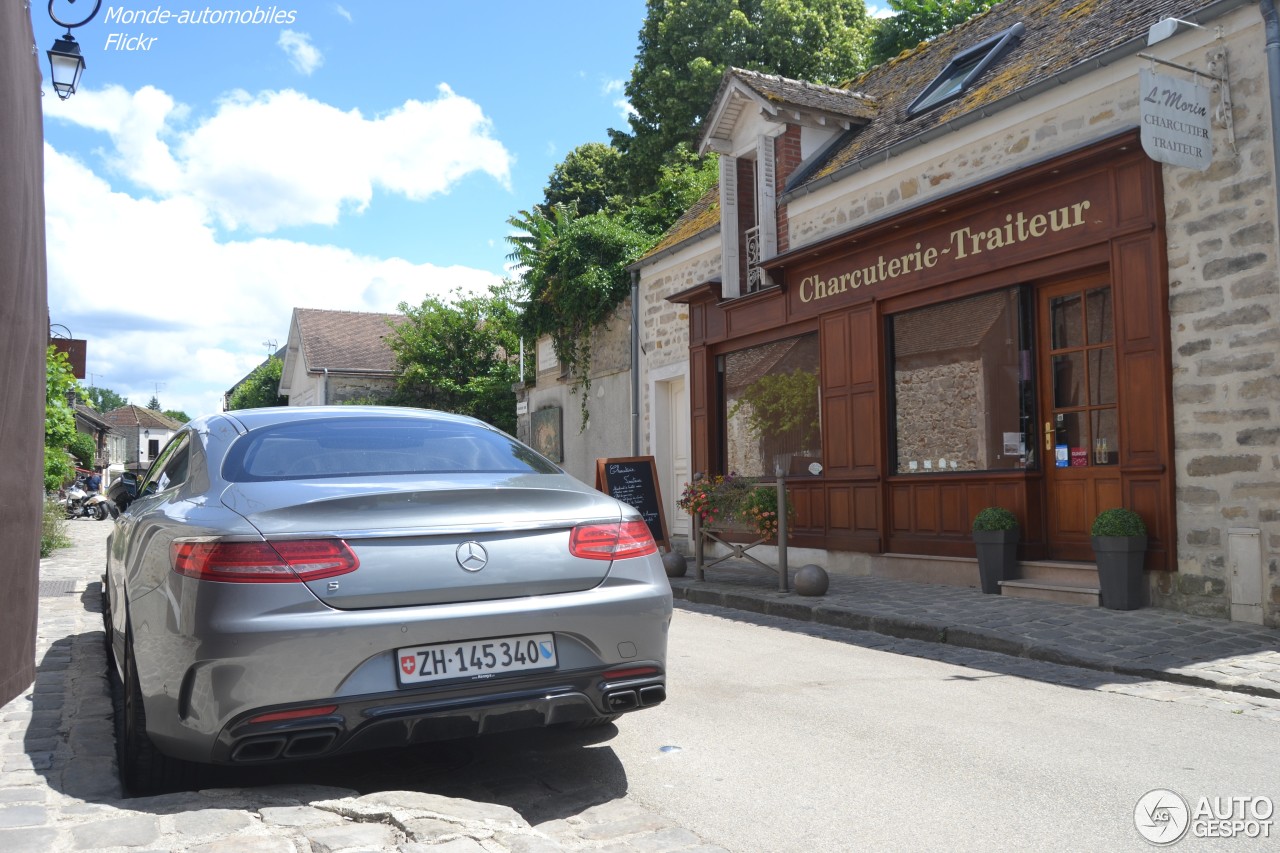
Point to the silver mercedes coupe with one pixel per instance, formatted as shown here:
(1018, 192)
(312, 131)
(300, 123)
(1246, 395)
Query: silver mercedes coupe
(296, 583)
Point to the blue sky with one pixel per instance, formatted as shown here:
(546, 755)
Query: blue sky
(356, 156)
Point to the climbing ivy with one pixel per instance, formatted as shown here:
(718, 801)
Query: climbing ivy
(573, 278)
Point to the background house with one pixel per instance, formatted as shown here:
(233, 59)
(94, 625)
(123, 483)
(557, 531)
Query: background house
(338, 357)
(552, 408)
(144, 432)
(92, 424)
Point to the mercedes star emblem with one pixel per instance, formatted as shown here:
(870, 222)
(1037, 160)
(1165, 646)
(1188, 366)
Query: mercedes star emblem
(472, 556)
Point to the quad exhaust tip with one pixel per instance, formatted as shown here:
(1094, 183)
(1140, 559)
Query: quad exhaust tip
(629, 700)
(303, 744)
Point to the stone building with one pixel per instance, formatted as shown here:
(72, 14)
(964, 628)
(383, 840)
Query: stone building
(338, 357)
(1036, 261)
(572, 426)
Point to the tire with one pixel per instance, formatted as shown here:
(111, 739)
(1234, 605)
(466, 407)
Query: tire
(101, 512)
(144, 770)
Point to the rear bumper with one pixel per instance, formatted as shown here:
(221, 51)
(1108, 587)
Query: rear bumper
(205, 667)
(401, 719)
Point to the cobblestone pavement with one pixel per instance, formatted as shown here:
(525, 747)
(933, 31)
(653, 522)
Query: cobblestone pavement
(1163, 647)
(59, 789)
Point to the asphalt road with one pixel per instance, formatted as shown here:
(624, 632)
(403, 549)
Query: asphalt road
(783, 736)
(776, 740)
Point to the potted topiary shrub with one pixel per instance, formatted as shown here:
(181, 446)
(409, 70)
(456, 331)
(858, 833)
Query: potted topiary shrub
(1120, 548)
(995, 536)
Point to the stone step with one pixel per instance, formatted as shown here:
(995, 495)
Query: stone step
(1062, 593)
(1058, 571)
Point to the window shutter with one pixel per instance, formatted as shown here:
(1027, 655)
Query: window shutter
(730, 286)
(766, 197)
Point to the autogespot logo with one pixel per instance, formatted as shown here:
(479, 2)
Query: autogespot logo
(1161, 816)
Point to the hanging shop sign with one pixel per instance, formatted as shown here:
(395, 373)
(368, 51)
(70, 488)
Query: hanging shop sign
(1176, 120)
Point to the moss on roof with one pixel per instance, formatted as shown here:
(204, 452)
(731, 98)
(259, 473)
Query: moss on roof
(703, 216)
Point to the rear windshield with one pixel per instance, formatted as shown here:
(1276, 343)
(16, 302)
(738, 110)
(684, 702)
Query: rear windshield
(353, 447)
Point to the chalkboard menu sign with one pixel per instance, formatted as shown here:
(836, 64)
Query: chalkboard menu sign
(634, 480)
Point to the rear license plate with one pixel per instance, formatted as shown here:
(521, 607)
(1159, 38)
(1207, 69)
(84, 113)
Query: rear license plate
(475, 659)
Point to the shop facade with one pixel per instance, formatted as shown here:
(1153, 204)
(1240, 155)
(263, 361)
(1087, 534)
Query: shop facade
(1022, 310)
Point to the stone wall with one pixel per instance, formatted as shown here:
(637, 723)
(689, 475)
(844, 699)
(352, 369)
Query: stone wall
(940, 409)
(607, 431)
(1224, 306)
(664, 326)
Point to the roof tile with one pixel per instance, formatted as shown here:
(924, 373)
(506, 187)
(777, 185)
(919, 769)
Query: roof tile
(346, 340)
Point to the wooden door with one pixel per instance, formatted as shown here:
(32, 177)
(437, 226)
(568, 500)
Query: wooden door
(1079, 410)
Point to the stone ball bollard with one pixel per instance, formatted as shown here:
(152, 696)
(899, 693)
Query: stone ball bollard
(811, 580)
(675, 564)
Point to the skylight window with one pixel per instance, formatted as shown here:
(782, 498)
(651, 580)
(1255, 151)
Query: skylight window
(964, 69)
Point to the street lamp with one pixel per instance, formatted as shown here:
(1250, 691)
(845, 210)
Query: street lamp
(66, 63)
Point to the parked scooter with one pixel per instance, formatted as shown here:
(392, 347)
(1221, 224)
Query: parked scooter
(81, 504)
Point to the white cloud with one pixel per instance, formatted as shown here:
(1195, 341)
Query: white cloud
(173, 275)
(617, 87)
(303, 55)
(342, 12)
(279, 159)
(162, 298)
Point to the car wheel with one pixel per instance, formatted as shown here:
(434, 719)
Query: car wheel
(144, 770)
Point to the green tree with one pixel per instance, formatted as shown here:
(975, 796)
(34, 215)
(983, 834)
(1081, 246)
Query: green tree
(917, 21)
(456, 356)
(587, 180)
(104, 399)
(59, 419)
(154, 403)
(685, 46)
(681, 182)
(574, 276)
(261, 388)
(177, 415)
(84, 450)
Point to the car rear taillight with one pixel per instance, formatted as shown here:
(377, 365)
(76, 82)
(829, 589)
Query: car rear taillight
(263, 562)
(612, 541)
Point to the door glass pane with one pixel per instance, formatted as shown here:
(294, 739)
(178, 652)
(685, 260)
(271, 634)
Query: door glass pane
(1068, 380)
(1106, 437)
(1071, 440)
(1098, 307)
(1066, 321)
(1102, 377)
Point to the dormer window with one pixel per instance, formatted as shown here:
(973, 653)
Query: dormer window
(963, 70)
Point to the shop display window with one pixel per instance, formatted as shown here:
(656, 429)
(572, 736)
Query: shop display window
(771, 408)
(962, 385)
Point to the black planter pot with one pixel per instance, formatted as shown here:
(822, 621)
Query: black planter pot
(997, 557)
(1120, 578)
